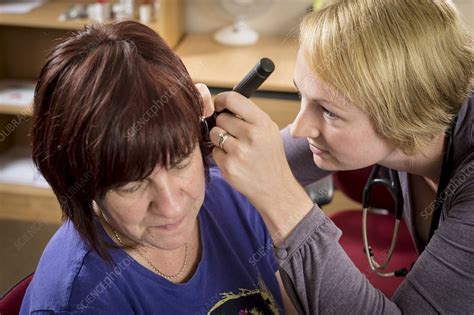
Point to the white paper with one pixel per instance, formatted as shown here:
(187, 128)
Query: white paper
(17, 93)
(17, 167)
(19, 7)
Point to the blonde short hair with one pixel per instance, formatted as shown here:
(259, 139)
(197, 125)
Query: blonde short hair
(407, 63)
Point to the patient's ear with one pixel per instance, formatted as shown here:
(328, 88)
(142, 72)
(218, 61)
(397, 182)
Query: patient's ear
(96, 208)
(208, 104)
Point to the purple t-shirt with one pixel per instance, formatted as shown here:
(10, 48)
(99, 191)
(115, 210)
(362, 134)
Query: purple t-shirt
(236, 273)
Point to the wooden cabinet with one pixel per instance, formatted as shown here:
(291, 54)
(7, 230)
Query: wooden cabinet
(24, 43)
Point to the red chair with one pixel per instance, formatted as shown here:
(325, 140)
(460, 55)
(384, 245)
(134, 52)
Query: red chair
(11, 302)
(380, 225)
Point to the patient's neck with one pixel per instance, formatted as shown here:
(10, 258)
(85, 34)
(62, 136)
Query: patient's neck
(171, 261)
(167, 261)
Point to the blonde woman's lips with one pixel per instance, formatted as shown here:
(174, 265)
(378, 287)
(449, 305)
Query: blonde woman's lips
(317, 150)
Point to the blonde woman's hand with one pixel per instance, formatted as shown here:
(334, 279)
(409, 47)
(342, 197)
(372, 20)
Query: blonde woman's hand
(253, 161)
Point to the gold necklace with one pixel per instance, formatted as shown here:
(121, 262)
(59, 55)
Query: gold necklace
(153, 266)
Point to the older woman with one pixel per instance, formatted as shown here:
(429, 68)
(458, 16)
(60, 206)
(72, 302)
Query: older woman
(382, 82)
(150, 228)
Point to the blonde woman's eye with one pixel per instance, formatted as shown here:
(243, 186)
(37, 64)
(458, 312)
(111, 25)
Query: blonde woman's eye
(328, 114)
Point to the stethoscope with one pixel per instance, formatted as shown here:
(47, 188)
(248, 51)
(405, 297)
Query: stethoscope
(393, 185)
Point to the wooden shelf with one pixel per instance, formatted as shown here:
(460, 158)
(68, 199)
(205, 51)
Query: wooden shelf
(169, 25)
(29, 203)
(45, 16)
(15, 110)
(223, 66)
(31, 190)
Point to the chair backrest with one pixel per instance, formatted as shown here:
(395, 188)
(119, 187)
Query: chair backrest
(10, 303)
(352, 184)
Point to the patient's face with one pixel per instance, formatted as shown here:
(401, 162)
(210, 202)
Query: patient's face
(160, 211)
(340, 134)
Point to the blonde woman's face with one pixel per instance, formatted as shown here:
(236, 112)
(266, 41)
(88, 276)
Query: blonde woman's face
(339, 134)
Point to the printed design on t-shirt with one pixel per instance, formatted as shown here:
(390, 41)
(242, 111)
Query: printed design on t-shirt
(246, 302)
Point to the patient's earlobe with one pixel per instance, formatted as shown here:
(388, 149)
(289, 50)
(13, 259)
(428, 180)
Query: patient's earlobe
(207, 103)
(96, 208)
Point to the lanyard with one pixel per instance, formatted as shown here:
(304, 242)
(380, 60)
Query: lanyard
(444, 178)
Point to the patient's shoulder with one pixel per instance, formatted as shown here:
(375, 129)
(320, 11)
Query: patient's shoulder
(69, 276)
(56, 272)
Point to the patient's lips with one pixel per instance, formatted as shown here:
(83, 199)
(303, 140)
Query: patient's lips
(171, 226)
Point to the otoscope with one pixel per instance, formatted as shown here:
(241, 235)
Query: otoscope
(249, 84)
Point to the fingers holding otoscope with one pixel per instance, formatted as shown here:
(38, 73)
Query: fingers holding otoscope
(246, 87)
(234, 106)
(250, 154)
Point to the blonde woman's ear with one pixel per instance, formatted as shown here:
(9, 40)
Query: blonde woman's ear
(207, 101)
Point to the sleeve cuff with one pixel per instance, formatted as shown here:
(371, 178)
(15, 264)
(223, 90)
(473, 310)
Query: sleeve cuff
(307, 226)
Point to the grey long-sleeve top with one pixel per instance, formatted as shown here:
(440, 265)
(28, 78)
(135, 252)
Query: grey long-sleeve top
(320, 277)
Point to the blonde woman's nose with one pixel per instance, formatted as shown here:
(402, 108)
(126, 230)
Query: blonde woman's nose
(304, 126)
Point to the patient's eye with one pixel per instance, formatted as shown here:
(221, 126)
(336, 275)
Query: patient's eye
(183, 164)
(130, 188)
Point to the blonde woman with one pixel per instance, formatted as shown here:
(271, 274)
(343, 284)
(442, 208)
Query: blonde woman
(381, 82)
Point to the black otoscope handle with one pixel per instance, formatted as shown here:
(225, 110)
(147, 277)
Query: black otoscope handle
(252, 81)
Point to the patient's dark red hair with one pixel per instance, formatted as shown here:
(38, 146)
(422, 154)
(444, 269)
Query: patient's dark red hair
(112, 102)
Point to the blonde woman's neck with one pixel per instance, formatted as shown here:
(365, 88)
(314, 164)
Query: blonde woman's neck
(426, 164)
